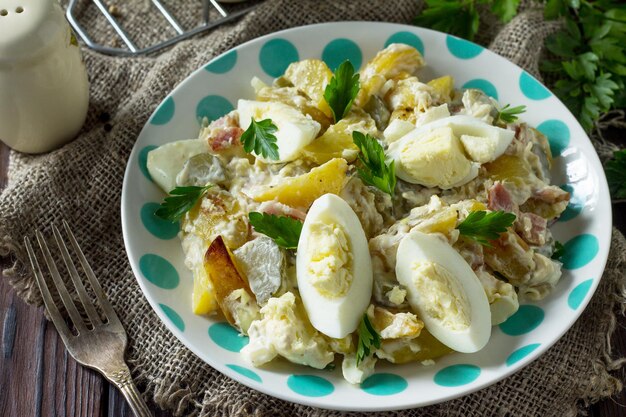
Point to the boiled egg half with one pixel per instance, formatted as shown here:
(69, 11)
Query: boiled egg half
(334, 267)
(295, 130)
(444, 292)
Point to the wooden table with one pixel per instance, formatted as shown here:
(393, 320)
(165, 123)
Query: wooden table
(38, 378)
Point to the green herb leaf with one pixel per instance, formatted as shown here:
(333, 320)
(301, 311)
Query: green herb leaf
(342, 90)
(483, 226)
(559, 251)
(505, 9)
(373, 170)
(368, 338)
(259, 137)
(180, 201)
(615, 170)
(455, 17)
(284, 230)
(509, 114)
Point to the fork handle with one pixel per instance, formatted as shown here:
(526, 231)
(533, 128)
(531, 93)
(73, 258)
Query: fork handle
(124, 382)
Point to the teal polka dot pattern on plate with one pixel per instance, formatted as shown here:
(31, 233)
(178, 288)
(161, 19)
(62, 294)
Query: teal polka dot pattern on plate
(213, 107)
(339, 50)
(276, 55)
(164, 113)
(174, 317)
(407, 38)
(578, 294)
(245, 372)
(384, 384)
(521, 353)
(223, 64)
(159, 271)
(163, 229)
(579, 251)
(574, 207)
(143, 160)
(461, 48)
(557, 133)
(483, 85)
(532, 88)
(457, 375)
(310, 385)
(525, 320)
(226, 337)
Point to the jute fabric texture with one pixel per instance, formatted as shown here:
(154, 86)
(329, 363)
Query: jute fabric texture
(81, 182)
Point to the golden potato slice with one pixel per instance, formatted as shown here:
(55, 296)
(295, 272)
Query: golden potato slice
(203, 299)
(223, 273)
(444, 86)
(302, 190)
(311, 76)
(337, 142)
(429, 348)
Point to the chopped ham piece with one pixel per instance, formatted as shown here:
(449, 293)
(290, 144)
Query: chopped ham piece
(500, 199)
(552, 194)
(532, 228)
(224, 134)
(280, 209)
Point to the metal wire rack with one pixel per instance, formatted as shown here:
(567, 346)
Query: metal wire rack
(131, 48)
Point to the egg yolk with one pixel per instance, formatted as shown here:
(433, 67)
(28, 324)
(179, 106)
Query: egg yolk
(330, 260)
(440, 295)
(435, 160)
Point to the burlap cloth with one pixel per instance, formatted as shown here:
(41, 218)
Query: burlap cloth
(82, 183)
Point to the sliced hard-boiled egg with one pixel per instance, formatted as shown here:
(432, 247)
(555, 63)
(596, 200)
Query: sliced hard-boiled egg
(435, 158)
(334, 267)
(444, 292)
(166, 161)
(479, 141)
(295, 130)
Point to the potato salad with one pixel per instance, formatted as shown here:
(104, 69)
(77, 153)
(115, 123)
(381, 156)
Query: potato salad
(339, 217)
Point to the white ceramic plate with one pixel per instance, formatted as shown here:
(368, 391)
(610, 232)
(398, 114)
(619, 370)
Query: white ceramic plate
(157, 258)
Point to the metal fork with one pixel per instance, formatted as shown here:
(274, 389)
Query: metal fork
(101, 348)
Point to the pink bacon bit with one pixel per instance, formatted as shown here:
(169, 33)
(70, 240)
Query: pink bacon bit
(224, 134)
(280, 209)
(552, 195)
(500, 199)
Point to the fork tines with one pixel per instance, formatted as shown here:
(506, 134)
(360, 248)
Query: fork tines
(65, 296)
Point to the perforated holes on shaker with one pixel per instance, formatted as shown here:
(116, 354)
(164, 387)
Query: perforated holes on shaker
(3, 12)
(19, 9)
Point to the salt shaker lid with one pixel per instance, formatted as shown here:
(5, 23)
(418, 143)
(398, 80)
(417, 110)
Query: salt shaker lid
(29, 28)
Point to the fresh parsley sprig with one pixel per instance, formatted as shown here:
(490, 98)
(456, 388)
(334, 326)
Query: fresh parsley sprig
(259, 137)
(373, 170)
(508, 114)
(180, 201)
(342, 90)
(460, 17)
(483, 227)
(368, 338)
(615, 170)
(284, 230)
(559, 251)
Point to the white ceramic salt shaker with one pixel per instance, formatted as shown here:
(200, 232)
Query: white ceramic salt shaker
(44, 91)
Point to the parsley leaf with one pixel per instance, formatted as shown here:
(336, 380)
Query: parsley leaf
(615, 170)
(342, 90)
(259, 137)
(505, 9)
(559, 251)
(509, 114)
(368, 337)
(180, 201)
(458, 18)
(373, 170)
(483, 227)
(284, 230)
